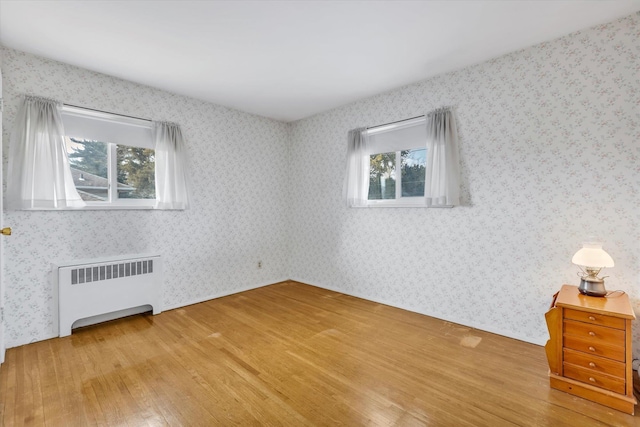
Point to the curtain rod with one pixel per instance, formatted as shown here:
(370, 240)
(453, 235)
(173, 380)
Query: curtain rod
(397, 121)
(107, 112)
(416, 117)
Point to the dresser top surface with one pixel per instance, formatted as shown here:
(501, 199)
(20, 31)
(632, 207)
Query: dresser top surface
(617, 304)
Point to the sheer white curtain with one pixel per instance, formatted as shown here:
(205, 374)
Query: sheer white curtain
(356, 182)
(442, 184)
(39, 176)
(172, 189)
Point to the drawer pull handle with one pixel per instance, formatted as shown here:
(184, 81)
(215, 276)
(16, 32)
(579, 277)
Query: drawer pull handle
(593, 380)
(593, 334)
(593, 365)
(592, 349)
(592, 318)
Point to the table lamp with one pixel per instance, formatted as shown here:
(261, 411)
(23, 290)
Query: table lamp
(591, 259)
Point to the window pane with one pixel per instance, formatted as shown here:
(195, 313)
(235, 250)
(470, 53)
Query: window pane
(382, 176)
(413, 172)
(136, 173)
(89, 167)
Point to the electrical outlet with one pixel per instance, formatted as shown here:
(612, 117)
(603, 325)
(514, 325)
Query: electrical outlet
(259, 264)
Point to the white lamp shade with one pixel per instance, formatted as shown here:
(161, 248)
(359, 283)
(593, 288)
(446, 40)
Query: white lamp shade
(592, 255)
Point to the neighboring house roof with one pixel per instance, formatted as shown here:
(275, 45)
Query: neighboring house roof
(88, 197)
(88, 181)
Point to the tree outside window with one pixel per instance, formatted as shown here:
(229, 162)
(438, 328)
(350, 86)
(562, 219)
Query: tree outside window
(89, 161)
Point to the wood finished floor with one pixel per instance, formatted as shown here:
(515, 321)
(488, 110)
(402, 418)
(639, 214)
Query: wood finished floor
(287, 354)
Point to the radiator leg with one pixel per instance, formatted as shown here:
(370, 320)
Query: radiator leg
(65, 328)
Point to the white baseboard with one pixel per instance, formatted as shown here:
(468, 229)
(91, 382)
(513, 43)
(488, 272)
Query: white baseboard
(170, 307)
(486, 328)
(220, 295)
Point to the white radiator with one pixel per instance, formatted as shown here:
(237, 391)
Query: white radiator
(94, 291)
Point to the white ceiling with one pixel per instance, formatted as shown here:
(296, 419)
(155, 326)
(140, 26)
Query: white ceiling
(288, 59)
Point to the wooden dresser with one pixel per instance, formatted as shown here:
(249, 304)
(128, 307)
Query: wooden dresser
(589, 350)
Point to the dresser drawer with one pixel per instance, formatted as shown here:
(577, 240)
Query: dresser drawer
(593, 333)
(596, 319)
(595, 363)
(594, 378)
(599, 349)
(589, 347)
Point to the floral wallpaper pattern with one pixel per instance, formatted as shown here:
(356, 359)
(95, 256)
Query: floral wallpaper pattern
(238, 215)
(549, 148)
(550, 155)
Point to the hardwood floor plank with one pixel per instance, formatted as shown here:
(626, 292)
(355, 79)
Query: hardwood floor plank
(8, 392)
(288, 354)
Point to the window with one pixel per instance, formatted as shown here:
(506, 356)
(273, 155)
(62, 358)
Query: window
(111, 157)
(397, 163)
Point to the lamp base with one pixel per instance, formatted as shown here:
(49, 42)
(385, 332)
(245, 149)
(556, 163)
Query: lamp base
(593, 288)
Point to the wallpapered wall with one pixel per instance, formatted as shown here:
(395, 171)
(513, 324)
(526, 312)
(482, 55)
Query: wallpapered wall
(549, 146)
(550, 154)
(239, 169)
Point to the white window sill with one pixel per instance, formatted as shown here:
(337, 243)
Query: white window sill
(91, 207)
(98, 206)
(391, 204)
(111, 207)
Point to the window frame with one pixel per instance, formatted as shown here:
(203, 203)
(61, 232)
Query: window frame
(124, 130)
(371, 149)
